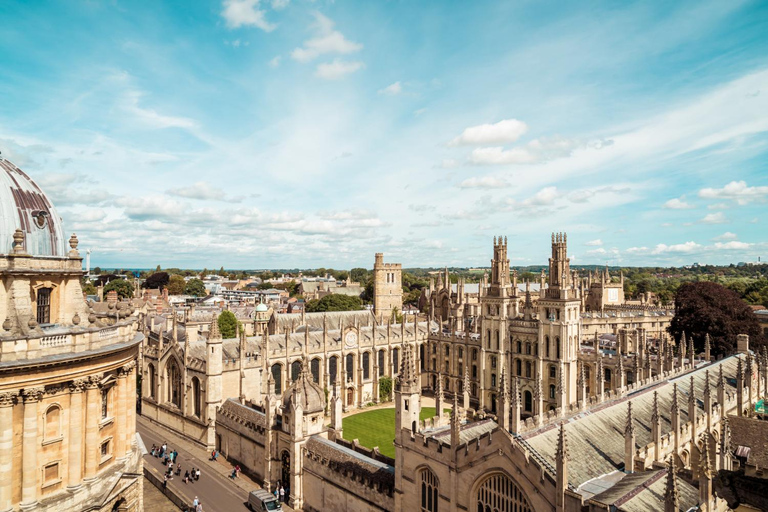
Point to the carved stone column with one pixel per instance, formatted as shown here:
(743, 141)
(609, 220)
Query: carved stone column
(121, 413)
(75, 458)
(130, 405)
(29, 471)
(7, 400)
(92, 415)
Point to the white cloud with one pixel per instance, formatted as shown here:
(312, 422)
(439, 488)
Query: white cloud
(736, 191)
(275, 61)
(683, 248)
(637, 250)
(199, 190)
(484, 182)
(327, 41)
(392, 89)
(714, 218)
(245, 13)
(280, 4)
(337, 69)
(594, 243)
(597, 251)
(677, 204)
(726, 236)
(152, 118)
(543, 197)
(538, 150)
(733, 245)
(503, 132)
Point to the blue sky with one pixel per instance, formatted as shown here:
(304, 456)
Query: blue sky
(292, 133)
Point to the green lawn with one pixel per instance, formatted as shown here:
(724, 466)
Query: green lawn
(377, 428)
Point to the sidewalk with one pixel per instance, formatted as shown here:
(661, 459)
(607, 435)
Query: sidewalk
(215, 489)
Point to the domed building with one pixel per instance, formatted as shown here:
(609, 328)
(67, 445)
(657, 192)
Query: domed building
(67, 375)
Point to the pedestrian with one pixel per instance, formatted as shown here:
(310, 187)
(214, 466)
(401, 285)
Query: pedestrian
(233, 475)
(165, 481)
(195, 502)
(178, 469)
(175, 455)
(192, 474)
(197, 474)
(186, 477)
(282, 494)
(199, 507)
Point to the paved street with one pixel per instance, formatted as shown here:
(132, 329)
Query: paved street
(216, 491)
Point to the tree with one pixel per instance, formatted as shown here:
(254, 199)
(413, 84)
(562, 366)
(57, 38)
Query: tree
(385, 388)
(123, 288)
(195, 287)
(96, 270)
(228, 324)
(157, 280)
(359, 275)
(88, 287)
(176, 285)
(334, 302)
(709, 308)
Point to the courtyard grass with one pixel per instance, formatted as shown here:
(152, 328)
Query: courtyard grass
(377, 428)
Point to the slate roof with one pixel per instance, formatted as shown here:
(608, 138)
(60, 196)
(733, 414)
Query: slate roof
(335, 320)
(643, 491)
(596, 437)
(752, 433)
(467, 433)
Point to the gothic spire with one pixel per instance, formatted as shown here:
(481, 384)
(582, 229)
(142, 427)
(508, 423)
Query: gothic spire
(675, 406)
(562, 444)
(655, 416)
(213, 331)
(629, 428)
(671, 494)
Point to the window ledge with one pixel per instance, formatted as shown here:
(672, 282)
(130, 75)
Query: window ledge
(104, 459)
(52, 441)
(51, 483)
(106, 421)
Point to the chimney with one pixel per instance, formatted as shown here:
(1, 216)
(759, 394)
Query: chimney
(111, 297)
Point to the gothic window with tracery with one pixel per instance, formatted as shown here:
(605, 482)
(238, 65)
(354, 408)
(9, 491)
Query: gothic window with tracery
(173, 375)
(429, 488)
(499, 493)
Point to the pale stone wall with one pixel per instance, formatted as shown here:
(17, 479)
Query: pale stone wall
(387, 288)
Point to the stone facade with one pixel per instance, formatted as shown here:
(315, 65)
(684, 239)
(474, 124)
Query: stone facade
(387, 288)
(67, 382)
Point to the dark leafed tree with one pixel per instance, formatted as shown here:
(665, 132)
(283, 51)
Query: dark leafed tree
(706, 307)
(123, 288)
(156, 280)
(334, 302)
(195, 287)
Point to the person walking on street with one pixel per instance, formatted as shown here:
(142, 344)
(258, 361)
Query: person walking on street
(197, 474)
(195, 502)
(282, 494)
(186, 477)
(165, 481)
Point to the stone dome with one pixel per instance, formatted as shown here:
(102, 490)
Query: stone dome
(262, 308)
(23, 205)
(311, 395)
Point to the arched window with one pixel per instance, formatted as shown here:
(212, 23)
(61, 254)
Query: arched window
(474, 354)
(528, 369)
(314, 368)
(197, 399)
(52, 423)
(366, 365)
(333, 367)
(488, 337)
(277, 374)
(499, 492)
(546, 345)
(493, 404)
(553, 372)
(295, 370)
(474, 389)
(519, 367)
(607, 375)
(381, 362)
(474, 371)
(152, 382)
(396, 361)
(498, 339)
(557, 344)
(429, 487)
(528, 399)
(528, 348)
(552, 391)
(349, 366)
(461, 352)
(493, 380)
(173, 378)
(493, 361)
(421, 356)
(519, 347)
